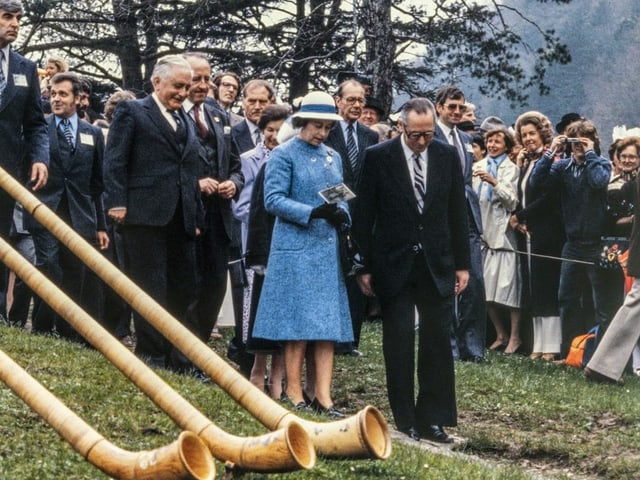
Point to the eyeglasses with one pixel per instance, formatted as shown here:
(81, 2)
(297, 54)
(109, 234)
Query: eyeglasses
(232, 86)
(353, 100)
(629, 156)
(418, 135)
(456, 106)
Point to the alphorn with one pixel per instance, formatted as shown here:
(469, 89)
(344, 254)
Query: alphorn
(363, 435)
(284, 450)
(186, 458)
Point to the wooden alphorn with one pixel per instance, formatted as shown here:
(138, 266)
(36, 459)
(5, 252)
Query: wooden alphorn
(186, 458)
(364, 434)
(284, 450)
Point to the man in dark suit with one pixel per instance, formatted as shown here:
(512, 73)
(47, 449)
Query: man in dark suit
(470, 326)
(410, 220)
(24, 142)
(256, 95)
(350, 139)
(151, 186)
(220, 181)
(74, 193)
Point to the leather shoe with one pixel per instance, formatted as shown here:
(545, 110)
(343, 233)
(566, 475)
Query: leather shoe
(412, 433)
(436, 433)
(330, 411)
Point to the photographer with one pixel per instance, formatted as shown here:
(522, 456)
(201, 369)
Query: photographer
(581, 180)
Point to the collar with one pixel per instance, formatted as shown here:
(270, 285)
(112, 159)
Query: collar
(573, 164)
(187, 105)
(344, 125)
(408, 153)
(252, 126)
(73, 120)
(4, 64)
(445, 130)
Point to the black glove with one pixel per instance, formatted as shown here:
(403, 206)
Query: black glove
(338, 218)
(325, 210)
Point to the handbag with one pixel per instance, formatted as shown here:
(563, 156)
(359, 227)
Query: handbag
(350, 256)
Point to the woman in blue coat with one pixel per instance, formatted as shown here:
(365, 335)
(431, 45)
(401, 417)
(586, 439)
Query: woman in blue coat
(304, 297)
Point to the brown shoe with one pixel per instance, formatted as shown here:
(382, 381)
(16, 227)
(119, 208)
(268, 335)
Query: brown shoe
(549, 357)
(600, 378)
(535, 356)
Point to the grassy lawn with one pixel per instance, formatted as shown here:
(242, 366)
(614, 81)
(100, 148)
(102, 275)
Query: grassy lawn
(519, 419)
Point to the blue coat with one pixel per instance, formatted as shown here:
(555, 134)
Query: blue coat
(304, 295)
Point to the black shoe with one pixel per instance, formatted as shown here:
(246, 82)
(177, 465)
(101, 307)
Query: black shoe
(298, 407)
(330, 411)
(436, 433)
(412, 433)
(472, 359)
(200, 376)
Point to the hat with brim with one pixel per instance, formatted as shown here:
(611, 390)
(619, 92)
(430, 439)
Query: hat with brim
(318, 106)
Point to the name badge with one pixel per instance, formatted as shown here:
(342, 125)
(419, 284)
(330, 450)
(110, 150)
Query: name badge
(20, 80)
(86, 139)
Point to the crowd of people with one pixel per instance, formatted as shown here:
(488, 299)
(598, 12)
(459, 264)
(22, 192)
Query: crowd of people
(211, 178)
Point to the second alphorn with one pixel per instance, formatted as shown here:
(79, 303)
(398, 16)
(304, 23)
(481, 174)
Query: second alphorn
(364, 434)
(188, 458)
(284, 450)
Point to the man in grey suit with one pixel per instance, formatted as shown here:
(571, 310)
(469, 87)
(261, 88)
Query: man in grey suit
(350, 139)
(23, 131)
(151, 186)
(220, 180)
(74, 193)
(470, 326)
(410, 221)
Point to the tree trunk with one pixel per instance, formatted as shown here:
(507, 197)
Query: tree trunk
(375, 18)
(125, 24)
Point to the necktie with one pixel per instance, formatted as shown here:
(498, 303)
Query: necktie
(456, 143)
(257, 136)
(181, 131)
(202, 128)
(68, 134)
(352, 149)
(418, 181)
(3, 80)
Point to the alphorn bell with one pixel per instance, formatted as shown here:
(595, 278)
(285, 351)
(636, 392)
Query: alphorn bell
(186, 458)
(364, 435)
(284, 450)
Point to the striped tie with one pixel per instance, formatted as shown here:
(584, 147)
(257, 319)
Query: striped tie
(418, 181)
(66, 131)
(3, 80)
(352, 149)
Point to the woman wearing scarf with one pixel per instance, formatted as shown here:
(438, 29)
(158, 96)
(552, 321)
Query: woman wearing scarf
(495, 179)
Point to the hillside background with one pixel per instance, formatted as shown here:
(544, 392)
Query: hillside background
(602, 81)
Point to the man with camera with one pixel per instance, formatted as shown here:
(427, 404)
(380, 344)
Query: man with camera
(581, 179)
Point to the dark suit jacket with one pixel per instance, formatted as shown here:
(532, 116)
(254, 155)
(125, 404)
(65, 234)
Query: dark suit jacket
(242, 136)
(389, 228)
(78, 177)
(146, 171)
(335, 140)
(227, 164)
(473, 202)
(23, 130)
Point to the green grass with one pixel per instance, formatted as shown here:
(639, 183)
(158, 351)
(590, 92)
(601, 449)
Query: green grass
(519, 419)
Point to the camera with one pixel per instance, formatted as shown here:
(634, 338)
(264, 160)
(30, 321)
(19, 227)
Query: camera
(570, 140)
